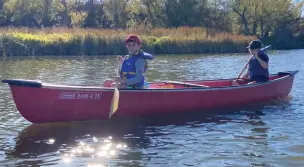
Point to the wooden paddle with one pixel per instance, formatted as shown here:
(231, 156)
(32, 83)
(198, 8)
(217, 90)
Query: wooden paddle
(115, 98)
(244, 67)
(263, 49)
(186, 84)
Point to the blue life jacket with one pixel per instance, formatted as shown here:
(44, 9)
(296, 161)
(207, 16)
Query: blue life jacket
(128, 69)
(255, 68)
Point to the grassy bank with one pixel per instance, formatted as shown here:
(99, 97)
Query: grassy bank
(61, 41)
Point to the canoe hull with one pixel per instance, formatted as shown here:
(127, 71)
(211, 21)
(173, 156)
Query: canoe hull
(40, 105)
(53, 103)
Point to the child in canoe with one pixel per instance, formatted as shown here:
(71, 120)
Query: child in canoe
(258, 65)
(134, 65)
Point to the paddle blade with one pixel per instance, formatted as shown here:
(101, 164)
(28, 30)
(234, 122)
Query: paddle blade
(114, 103)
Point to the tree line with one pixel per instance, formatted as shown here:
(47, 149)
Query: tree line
(249, 17)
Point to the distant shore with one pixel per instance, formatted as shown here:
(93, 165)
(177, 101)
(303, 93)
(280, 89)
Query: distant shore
(74, 42)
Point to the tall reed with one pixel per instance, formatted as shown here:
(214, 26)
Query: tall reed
(65, 41)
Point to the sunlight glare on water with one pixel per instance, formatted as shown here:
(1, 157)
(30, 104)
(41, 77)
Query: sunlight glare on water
(105, 150)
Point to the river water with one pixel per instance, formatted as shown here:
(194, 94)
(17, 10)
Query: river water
(269, 134)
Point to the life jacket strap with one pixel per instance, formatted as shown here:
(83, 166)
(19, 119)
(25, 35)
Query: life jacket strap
(131, 73)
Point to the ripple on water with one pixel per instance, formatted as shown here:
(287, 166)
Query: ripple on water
(266, 135)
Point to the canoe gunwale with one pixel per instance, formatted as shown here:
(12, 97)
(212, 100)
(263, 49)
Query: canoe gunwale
(285, 73)
(22, 82)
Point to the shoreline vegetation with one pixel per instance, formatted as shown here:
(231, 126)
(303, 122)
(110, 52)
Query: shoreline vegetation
(92, 28)
(92, 42)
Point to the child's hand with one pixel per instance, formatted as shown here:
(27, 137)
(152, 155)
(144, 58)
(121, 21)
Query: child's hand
(120, 59)
(119, 80)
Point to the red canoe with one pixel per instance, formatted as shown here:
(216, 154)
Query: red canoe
(44, 103)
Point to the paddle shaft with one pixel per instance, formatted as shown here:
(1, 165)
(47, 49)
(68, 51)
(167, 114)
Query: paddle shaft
(119, 66)
(115, 98)
(244, 67)
(263, 49)
(186, 84)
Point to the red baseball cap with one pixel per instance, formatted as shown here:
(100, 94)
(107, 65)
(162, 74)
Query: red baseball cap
(133, 38)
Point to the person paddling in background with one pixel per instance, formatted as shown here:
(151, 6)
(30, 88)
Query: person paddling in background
(134, 65)
(258, 65)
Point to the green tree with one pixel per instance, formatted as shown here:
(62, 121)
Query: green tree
(46, 20)
(64, 15)
(116, 10)
(91, 19)
(219, 16)
(185, 12)
(155, 12)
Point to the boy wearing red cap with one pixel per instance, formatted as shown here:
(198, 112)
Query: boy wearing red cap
(133, 65)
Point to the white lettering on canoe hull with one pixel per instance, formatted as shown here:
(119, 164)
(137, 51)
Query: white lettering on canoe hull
(77, 95)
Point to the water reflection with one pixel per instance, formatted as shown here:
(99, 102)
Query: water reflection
(138, 140)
